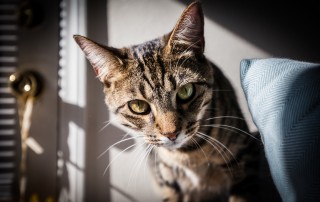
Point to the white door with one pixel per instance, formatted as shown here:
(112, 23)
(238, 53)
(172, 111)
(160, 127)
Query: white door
(29, 41)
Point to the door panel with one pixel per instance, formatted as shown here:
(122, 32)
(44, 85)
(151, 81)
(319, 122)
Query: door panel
(35, 48)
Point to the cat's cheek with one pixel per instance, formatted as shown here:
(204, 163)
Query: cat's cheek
(201, 114)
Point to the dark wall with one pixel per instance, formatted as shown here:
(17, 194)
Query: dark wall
(283, 30)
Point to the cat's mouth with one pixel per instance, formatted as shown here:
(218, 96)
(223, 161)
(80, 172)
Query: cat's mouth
(172, 141)
(172, 144)
(184, 138)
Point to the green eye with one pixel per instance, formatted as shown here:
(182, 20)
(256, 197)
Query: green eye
(139, 107)
(185, 93)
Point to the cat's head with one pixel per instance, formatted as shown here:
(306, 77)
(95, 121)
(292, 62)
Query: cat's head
(160, 88)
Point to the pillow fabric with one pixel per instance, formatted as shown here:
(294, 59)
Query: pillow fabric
(283, 96)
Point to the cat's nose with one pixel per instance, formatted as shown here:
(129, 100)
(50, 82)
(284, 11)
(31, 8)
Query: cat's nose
(172, 136)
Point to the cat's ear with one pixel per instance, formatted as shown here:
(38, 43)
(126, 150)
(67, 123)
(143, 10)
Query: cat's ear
(188, 33)
(104, 60)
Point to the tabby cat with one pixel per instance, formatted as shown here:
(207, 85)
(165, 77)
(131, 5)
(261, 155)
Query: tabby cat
(183, 105)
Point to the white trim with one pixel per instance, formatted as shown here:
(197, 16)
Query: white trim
(72, 81)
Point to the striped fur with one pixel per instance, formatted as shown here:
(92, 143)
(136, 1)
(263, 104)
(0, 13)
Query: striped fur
(212, 157)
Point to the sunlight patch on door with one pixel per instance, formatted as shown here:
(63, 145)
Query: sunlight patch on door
(76, 163)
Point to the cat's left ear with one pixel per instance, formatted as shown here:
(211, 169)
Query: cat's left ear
(188, 34)
(103, 59)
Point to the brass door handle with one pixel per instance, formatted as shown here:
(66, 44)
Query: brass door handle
(26, 84)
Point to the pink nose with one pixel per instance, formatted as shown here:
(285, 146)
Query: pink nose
(172, 136)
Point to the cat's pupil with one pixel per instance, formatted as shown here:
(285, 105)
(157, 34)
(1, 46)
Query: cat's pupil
(186, 92)
(139, 106)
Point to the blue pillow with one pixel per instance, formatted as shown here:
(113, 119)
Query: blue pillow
(283, 96)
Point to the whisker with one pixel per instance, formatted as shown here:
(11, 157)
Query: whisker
(211, 109)
(125, 135)
(216, 148)
(220, 117)
(184, 52)
(234, 128)
(155, 157)
(218, 90)
(220, 143)
(139, 152)
(108, 122)
(178, 62)
(193, 140)
(130, 138)
(146, 159)
(144, 155)
(117, 156)
(182, 61)
(141, 159)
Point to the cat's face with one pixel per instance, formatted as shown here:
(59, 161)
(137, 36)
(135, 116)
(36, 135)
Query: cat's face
(160, 88)
(162, 98)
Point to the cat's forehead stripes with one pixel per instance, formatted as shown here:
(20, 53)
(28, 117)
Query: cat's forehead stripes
(159, 70)
(152, 71)
(146, 48)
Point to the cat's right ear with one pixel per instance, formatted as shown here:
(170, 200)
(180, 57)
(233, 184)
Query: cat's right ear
(104, 62)
(188, 34)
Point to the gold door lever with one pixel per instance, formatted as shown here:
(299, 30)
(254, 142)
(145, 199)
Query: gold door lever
(27, 86)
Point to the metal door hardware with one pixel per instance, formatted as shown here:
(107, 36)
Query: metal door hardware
(26, 84)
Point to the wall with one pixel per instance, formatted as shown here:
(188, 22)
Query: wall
(233, 31)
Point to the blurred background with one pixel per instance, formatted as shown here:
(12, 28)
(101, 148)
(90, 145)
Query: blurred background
(68, 117)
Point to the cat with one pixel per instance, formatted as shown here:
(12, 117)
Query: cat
(186, 109)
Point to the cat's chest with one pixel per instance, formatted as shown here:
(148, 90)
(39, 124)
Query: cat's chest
(173, 173)
(174, 169)
(197, 176)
